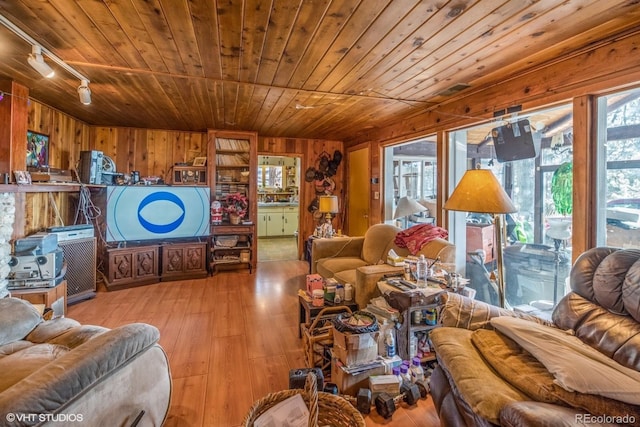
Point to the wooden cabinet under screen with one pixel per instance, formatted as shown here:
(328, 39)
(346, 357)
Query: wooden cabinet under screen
(132, 266)
(184, 261)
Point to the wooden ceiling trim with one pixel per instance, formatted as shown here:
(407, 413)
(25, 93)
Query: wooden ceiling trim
(305, 30)
(361, 20)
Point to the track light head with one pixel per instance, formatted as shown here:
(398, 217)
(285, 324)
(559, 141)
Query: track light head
(36, 60)
(84, 92)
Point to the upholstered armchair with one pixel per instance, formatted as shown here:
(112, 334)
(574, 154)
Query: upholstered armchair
(361, 260)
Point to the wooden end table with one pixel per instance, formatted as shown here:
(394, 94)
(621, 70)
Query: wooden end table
(45, 296)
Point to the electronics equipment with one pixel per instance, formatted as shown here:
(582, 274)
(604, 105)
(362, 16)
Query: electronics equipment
(90, 167)
(515, 141)
(36, 271)
(80, 257)
(189, 175)
(156, 212)
(36, 244)
(72, 232)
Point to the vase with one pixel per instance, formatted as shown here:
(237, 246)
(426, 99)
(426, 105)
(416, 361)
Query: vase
(234, 219)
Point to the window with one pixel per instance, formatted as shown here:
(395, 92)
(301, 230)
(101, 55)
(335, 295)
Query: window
(411, 171)
(538, 249)
(270, 176)
(619, 170)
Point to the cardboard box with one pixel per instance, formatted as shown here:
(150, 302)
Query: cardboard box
(351, 383)
(314, 281)
(384, 384)
(355, 349)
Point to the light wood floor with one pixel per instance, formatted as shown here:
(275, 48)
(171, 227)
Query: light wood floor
(231, 339)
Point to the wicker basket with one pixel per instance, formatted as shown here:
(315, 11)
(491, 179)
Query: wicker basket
(325, 409)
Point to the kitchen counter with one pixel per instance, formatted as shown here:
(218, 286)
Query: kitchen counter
(276, 204)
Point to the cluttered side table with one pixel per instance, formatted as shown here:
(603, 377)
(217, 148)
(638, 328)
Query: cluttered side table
(308, 312)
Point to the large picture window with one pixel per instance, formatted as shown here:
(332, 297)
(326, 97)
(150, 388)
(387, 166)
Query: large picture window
(619, 170)
(538, 246)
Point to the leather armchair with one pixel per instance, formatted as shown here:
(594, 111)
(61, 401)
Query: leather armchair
(361, 260)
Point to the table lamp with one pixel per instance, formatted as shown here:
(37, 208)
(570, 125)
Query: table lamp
(407, 206)
(479, 191)
(328, 205)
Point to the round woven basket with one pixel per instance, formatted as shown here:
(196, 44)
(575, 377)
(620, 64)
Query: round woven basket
(324, 408)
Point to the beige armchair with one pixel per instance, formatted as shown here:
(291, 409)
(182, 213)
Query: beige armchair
(361, 260)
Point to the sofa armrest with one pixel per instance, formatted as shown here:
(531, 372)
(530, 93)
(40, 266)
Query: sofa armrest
(367, 278)
(538, 414)
(335, 247)
(50, 387)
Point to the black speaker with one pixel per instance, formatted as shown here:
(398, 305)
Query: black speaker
(515, 141)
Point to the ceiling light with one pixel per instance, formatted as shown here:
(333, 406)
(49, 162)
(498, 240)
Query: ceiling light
(36, 60)
(84, 92)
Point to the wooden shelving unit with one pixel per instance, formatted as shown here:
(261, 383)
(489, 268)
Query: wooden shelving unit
(232, 168)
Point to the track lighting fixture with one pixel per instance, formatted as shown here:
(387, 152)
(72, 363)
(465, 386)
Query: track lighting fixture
(84, 92)
(36, 60)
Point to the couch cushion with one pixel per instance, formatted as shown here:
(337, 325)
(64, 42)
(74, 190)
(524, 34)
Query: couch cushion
(25, 361)
(329, 267)
(17, 319)
(377, 241)
(476, 383)
(346, 276)
(527, 374)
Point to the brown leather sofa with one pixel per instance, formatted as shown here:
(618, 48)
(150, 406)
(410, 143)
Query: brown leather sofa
(361, 260)
(484, 377)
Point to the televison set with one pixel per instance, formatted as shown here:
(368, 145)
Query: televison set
(156, 212)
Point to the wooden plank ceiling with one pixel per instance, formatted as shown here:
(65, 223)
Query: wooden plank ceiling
(292, 68)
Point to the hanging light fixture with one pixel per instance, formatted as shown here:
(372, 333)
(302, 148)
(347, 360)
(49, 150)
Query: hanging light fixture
(36, 60)
(84, 92)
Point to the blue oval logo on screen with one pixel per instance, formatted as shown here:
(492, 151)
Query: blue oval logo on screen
(155, 209)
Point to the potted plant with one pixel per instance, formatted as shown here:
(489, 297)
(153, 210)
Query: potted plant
(236, 207)
(562, 194)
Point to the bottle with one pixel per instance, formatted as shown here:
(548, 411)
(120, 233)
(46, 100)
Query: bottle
(421, 272)
(339, 298)
(396, 372)
(382, 347)
(348, 292)
(413, 346)
(417, 373)
(404, 373)
(390, 342)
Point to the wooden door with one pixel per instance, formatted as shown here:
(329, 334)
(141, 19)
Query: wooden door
(359, 192)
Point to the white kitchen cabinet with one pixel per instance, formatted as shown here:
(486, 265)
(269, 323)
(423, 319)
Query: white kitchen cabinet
(275, 221)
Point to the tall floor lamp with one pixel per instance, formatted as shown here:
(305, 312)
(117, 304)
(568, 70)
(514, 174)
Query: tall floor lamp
(479, 191)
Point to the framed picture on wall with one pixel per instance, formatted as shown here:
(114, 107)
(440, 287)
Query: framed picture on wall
(37, 149)
(200, 161)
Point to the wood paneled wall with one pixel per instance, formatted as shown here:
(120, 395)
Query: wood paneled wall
(309, 151)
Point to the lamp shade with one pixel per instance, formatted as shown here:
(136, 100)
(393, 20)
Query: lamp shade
(406, 207)
(328, 204)
(479, 191)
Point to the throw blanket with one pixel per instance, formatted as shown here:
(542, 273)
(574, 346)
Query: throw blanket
(575, 365)
(414, 238)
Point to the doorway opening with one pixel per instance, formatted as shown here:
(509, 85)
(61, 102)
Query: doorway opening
(278, 207)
